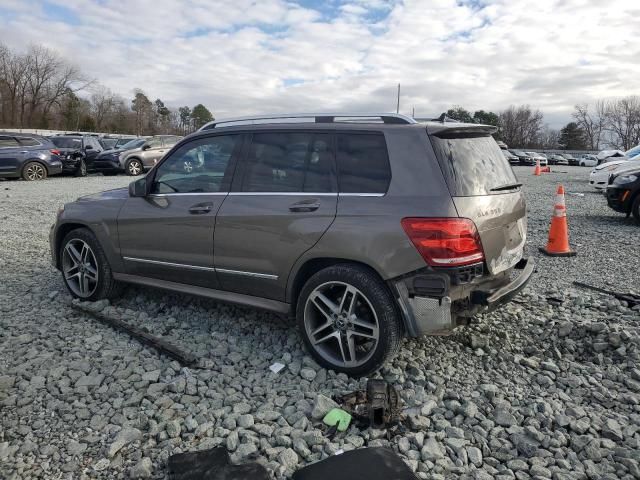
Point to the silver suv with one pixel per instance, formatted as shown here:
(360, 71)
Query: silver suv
(137, 161)
(367, 229)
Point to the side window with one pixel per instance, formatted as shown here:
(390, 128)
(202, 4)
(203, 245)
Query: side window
(8, 142)
(200, 166)
(28, 141)
(169, 141)
(155, 142)
(363, 163)
(289, 162)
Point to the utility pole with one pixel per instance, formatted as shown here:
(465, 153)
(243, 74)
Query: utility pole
(398, 104)
(413, 112)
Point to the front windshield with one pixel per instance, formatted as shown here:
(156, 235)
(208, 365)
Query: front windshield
(67, 142)
(135, 143)
(633, 152)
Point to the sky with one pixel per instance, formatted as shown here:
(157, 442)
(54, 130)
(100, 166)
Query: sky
(242, 57)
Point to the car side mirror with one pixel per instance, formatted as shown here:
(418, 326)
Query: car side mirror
(138, 188)
(146, 147)
(88, 147)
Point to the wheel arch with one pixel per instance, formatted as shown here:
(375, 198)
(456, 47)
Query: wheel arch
(34, 160)
(62, 232)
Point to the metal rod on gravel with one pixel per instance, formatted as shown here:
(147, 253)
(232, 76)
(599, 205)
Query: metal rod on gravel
(185, 358)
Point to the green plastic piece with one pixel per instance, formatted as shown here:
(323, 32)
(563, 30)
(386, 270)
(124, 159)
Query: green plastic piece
(337, 417)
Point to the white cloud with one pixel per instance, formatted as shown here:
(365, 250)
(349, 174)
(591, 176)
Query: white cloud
(247, 56)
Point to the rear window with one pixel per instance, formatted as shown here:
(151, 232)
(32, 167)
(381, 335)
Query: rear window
(28, 141)
(472, 163)
(67, 142)
(363, 163)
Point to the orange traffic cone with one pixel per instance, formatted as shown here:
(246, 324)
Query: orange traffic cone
(558, 244)
(537, 170)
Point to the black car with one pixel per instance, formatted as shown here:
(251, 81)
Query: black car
(31, 157)
(571, 159)
(623, 191)
(108, 161)
(78, 152)
(523, 158)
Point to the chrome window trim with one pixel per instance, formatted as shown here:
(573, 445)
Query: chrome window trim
(362, 194)
(247, 274)
(266, 276)
(169, 264)
(314, 194)
(187, 194)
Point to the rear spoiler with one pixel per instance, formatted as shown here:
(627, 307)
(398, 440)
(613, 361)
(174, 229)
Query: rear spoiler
(460, 129)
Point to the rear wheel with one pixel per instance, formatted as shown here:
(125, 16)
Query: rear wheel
(635, 208)
(34, 171)
(348, 319)
(133, 167)
(85, 269)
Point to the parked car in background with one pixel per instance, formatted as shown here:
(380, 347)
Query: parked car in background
(124, 140)
(108, 161)
(31, 157)
(588, 160)
(137, 161)
(599, 176)
(502, 145)
(571, 159)
(557, 159)
(77, 152)
(513, 159)
(633, 153)
(108, 143)
(524, 158)
(538, 157)
(366, 231)
(623, 190)
(607, 156)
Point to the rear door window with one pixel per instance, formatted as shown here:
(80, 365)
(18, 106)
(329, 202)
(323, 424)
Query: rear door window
(289, 162)
(28, 141)
(472, 163)
(363, 163)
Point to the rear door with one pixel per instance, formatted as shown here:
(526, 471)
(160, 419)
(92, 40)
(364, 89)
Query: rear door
(485, 190)
(168, 235)
(9, 155)
(283, 200)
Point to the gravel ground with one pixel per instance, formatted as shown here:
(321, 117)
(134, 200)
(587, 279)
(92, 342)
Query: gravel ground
(537, 390)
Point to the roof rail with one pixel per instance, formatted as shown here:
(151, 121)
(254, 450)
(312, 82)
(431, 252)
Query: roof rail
(442, 118)
(390, 118)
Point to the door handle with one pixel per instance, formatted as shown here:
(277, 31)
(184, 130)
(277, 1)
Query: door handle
(305, 206)
(200, 208)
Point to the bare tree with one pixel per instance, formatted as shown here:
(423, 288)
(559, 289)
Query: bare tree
(103, 103)
(623, 122)
(520, 126)
(592, 124)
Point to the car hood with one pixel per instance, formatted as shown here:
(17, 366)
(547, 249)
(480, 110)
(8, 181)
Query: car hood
(610, 164)
(631, 166)
(115, 194)
(609, 153)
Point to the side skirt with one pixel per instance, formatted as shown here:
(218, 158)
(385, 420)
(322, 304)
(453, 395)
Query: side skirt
(228, 297)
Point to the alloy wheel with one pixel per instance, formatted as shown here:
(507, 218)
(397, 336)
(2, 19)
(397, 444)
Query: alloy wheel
(188, 167)
(135, 168)
(341, 324)
(35, 171)
(80, 268)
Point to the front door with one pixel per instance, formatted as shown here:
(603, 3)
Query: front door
(282, 201)
(168, 235)
(9, 155)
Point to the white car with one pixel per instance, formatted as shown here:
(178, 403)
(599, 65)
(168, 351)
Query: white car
(588, 161)
(538, 156)
(599, 177)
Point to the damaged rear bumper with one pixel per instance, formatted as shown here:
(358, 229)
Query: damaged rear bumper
(437, 302)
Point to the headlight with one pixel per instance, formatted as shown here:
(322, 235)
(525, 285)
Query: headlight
(621, 179)
(611, 167)
(60, 211)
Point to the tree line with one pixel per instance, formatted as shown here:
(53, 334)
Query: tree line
(40, 89)
(609, 123)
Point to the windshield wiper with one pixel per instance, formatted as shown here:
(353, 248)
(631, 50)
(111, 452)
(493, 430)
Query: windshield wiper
(509, 186)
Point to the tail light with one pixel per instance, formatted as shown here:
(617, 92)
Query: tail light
(445, 241)
(55, 151)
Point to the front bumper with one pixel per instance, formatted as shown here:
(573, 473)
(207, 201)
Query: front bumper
(619, 199)
(70, 163)
(107, 165)
(433, 303)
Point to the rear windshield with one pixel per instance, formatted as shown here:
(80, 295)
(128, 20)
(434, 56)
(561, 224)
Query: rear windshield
(67, 142)
(472, 164)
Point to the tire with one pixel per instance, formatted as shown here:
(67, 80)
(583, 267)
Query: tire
(635, 208)
(95, 267)
(375, 311)
(33, 171)
(81, 171)
(134, 167)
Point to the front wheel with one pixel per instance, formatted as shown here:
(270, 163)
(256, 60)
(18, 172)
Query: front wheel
(85, 269)
(134, 167)
(81, 171)
(348, 319)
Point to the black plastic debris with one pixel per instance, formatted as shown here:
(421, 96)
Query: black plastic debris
(363, 464)
(377, 407)
(213, 464)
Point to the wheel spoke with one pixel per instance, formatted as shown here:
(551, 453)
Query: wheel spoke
(333, 334)
(348, 301)
(322, 327)
(91, 274)
(324, 304)
(84, 253)
(344, 357)
(69, 276)
(352, 347)
(74, 254)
